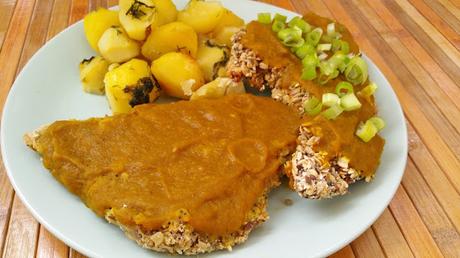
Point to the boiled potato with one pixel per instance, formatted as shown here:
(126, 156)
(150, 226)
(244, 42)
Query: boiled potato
(202, 16)
(224, 35)
(166, 12)
(92, 73)
(211, 58)
(218, 88)
(116, 47)
(175, 36)
(229, 19)
(130, 84)
(96, 22)
(136, 16)
(178, 74)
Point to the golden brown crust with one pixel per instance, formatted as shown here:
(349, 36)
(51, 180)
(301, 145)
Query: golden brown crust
(178, 237)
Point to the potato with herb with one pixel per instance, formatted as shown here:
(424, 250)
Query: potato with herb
(211, 58)
(96, 23)
(130, 84)
(202, 16)
(92, 71)
(136, 16)
(178, 74)
(174, 36)
(220, 87)
(116, 47)
(166, 12)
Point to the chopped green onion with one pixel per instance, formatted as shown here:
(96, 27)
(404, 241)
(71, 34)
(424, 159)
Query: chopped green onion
(344, 47)
(291, 37)
(280, 17)
(356, 71)
(314, 36)
(323, 47)
(343, 88)
(339, 60)
(308, 73)
(369, 90)
(350, 102)
(327, 72)
(366, 131)
(304, 50)
(300, 23)
(310, 60)
(330, 99)
(278, 25)
(340, 45)
(330, 29)
(322, 56)
(326, 38)
(312, 106)
(378, 122)
(332, 112)
(264, 18)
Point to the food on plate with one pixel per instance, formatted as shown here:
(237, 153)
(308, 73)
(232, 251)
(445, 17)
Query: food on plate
(136, 16)
(92, 71)
(165, 12)
(116, 47)
(224, 36)
(187, 177)
(96, 23)
(313, 65)
(171, 37)
(151, 29)
(211, 58)
(220, 87)
(130, 84)
(201, 15)
(228, 19)
(178, 74)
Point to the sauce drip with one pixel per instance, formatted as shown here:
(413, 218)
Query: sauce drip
(209, 159)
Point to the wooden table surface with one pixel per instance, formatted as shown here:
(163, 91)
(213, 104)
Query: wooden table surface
(416, 44)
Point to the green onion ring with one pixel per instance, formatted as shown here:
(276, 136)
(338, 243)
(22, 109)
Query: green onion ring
(332, 112)
(264, 18)
(312, 106)
(343, 86)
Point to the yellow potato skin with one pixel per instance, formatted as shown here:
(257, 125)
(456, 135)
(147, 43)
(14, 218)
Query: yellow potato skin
(202, 16)
(178, 74)
(92, 73)
(96, 23)
(116, 47)
(119, 78)
(220, 87)
(170, 37)
(228, 19)
(224, 35)
(207, 57)
(136, 26)
(166, 12)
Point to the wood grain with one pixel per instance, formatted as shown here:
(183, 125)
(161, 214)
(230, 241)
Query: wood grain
(6, 9)
(415, 43)
(50, 247)
(414, 230)
(9, 59)
(367, 245)
(390, 237)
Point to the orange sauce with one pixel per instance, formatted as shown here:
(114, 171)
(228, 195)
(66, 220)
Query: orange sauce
(211, 158)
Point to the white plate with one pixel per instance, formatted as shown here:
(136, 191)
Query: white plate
(48, 89)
